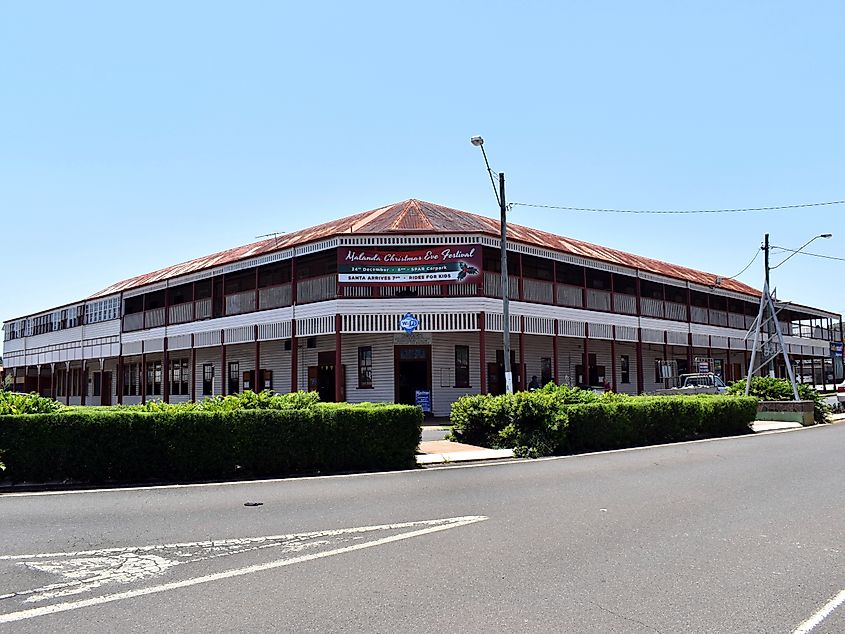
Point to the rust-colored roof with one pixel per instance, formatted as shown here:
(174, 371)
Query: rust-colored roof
(412, 216)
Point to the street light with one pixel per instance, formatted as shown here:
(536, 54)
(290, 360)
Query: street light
(477, 141)
(770, 369)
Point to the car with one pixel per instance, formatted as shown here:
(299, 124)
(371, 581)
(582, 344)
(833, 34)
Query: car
(702, 380)
(840, 393)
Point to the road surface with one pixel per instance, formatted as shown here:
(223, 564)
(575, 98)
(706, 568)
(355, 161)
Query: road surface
(732, 535)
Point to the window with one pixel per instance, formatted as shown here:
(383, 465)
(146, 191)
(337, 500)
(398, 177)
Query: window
(365, 367)
(97, 379)
(207, 379)
(180, 378)
(131, 378)
(75, 381)
(461, 366)
(154, 376)
(625, 368)
(234, 377)
(545, 370)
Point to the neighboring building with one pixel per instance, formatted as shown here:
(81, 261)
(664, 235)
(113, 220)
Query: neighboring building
(401, 303)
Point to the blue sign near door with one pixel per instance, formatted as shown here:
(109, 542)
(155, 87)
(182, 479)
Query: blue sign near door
(409, 323)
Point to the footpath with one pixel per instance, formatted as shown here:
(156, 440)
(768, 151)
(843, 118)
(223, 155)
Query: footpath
(441, 451)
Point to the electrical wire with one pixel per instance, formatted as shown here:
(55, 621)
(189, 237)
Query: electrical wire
(814, 255)
(747, 266)
(681, 211)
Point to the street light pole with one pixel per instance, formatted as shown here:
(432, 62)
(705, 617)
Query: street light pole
(770, 323)
(506, 321)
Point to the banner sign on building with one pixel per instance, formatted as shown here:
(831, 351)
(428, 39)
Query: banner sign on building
(836, 348)
(430, 265)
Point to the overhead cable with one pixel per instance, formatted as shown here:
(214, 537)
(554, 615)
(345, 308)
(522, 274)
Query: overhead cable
(681, 211)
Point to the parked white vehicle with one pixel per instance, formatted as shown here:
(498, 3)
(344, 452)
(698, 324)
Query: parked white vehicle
(702, 380)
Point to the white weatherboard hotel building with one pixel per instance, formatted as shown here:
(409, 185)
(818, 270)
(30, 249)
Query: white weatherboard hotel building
(400, 304)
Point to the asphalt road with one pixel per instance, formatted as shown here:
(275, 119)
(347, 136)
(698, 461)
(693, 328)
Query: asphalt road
(736, 535)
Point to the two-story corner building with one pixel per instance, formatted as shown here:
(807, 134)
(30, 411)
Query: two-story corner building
(403, 304)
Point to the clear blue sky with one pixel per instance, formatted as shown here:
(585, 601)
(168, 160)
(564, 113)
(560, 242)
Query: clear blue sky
(137, 135)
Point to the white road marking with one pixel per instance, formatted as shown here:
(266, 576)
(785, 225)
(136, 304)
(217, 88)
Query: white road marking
(425, 527)
(821, 615)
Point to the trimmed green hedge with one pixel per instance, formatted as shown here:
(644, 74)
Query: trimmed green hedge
(564, 420)
(181, 445)
(655, 420)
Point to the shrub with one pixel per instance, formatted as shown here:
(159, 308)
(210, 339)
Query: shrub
(185, 444)
(768, 388)
(565, 420)
(649, 420)
(233, 402)
(11, 403)
(532, 423)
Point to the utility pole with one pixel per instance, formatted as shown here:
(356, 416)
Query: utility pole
(770, 366)
(506, 321)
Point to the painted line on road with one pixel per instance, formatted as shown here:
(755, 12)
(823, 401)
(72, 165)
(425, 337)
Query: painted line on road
(811, 623)
(238, 572)
(497, 463)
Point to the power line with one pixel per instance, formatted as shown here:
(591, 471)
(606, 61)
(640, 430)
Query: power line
(814, 255)
(681, 211)
(756, 255)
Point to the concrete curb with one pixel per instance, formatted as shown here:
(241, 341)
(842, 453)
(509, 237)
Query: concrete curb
(773, 425)
(464, 456)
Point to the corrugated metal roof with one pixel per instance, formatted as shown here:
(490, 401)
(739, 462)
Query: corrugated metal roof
(413, 216)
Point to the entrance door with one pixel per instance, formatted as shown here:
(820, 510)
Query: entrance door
(322, 377)
(105, 393)
(413, 372)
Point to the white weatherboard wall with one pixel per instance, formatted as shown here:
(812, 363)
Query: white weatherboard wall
(275, 358)
(383, 377)
(205, 356)
(569, 354)
(244, 355)
(443, 369)
(629, 349)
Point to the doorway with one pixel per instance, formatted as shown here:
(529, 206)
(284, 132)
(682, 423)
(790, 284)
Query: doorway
(413, 373)
(105, 393)
(321, 377)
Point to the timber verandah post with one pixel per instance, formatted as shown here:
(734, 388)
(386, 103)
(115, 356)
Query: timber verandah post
(640, 372)
(482, 354)
(613, 359)
(294, 347)
(338, 359)
(555, 367)
(257, 387)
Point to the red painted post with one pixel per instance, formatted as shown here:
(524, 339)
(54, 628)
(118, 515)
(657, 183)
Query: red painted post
(640, 372)
(338, 359)
(522, 371)
(257, 387)
(165, 370)
(294, 358)
(194, 370)
(224, 372)
(120, 380)
(482, 351)
(613, 360)
(585, 357)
